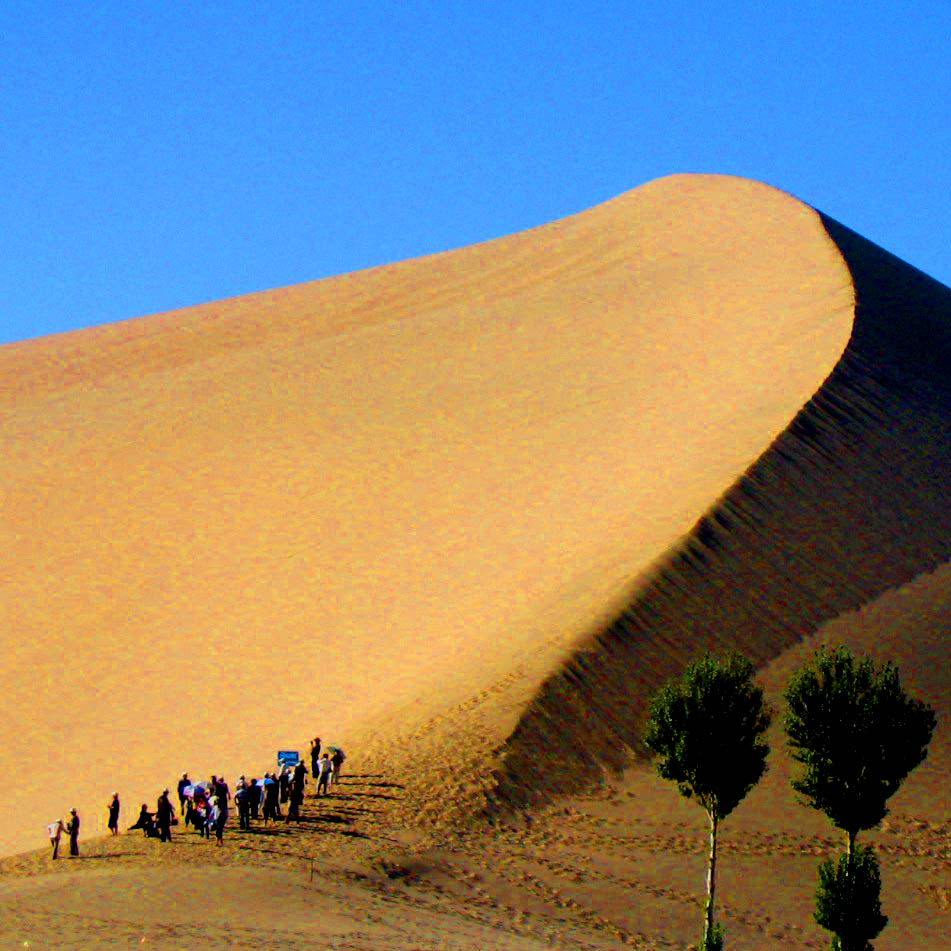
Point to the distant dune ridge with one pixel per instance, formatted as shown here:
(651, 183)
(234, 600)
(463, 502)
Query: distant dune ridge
(464, 513)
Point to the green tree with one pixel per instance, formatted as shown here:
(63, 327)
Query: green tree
(707, 733)
(857, 735)
(847, 899)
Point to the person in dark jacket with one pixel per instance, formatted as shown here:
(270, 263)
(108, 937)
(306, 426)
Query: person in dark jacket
(296, 793)
(242, 801)
(254, 798)
(337, 759)
(182, 783)
(314, 755)
(72, 827)
(163, 817)
(114, 814)
(145, 822)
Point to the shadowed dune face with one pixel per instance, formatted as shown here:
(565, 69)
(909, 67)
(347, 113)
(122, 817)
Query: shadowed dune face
(849, 501)
(356, 506)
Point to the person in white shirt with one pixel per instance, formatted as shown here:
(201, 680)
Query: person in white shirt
(325, 771)
(55, 830)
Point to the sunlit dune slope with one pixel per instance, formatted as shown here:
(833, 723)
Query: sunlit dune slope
(389, 507)
(851, 500)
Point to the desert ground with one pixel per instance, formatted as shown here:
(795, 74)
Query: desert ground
(462, 515)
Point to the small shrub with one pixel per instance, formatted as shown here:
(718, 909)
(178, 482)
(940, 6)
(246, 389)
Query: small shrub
(847, 900)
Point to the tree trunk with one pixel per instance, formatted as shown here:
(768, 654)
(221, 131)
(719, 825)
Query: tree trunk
(850, 842)
(711, 879)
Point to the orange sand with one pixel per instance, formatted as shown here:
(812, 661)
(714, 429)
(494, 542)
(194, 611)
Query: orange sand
(462, 514)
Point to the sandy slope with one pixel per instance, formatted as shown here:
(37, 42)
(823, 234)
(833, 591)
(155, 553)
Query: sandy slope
(229, 528)
(848, 501)
(464, 514)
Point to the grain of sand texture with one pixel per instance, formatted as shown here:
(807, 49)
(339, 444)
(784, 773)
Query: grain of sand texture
(462, 515)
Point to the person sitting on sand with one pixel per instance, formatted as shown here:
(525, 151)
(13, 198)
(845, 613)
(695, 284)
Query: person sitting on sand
(55, 830)
(114, 814)
(145, 822)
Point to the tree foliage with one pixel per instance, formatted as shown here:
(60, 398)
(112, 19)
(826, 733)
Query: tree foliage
(857, 735)
(707, 731)
(847, 900)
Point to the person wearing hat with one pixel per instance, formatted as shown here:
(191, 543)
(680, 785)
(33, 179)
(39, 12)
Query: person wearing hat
(72, 827)
(182, 783)
(55, 830)
(114, 814)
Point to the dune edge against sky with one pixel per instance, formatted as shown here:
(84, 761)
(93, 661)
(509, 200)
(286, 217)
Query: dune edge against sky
(712, 257)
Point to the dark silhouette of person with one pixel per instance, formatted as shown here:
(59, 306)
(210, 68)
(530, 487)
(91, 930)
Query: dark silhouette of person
(163, 817)
(72, 827)
(284, 780)
(254, 798)
(271, 810)
(242, 801)
(182, 783)
(218, 816)
(314, 755)
(337, 760)
(192, 816)
(114, 814)
(223, 793)
(296, 793)
(145, 822)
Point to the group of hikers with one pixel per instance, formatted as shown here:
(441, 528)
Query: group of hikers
(205, 805)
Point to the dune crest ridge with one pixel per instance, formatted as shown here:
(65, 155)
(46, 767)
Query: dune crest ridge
(848, 503)
(392, 507)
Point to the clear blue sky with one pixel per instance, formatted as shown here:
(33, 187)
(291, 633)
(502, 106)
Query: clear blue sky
(156, 155)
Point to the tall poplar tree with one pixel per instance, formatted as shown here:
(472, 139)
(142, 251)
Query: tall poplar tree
(707, 733)
(857, 735)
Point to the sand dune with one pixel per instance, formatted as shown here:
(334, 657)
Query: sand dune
(231, 527)
(463, 514)
(848, 501)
